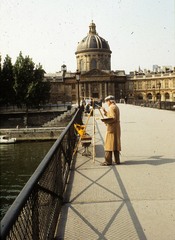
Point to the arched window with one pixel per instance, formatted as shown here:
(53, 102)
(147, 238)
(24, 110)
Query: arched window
(158, 96)
(149, 96)
(93, 64)
(106, 64)
(173, 96)
(167, 96)
(140, 96)
(82, 65)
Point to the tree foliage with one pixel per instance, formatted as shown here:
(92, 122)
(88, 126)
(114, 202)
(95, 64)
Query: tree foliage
(24, 80)
(42, 88)
(7, 83)
(22, 83)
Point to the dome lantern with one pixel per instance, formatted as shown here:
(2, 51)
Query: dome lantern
(92, 28)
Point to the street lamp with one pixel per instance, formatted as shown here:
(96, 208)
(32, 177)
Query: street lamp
(153, 93)
(159, 84)
(146, 87)
(121, 93)
(77, 74)
(135, 92)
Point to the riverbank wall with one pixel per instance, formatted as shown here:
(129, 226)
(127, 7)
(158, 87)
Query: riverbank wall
(50, 129)
(35, 118)
(33, 134)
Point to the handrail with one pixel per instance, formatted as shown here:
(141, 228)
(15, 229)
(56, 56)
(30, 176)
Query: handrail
(166, 105)
(25, 219)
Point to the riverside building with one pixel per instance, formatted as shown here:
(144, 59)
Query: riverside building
(97, 80)
(158, 85)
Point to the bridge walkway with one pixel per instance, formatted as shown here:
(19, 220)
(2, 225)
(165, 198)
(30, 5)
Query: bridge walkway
(133, 200)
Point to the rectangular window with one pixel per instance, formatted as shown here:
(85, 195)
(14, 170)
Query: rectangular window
(140, 85)
(158, 84)
(73, 85)
(166, 83)
(87, 90)
(87, 87)
(130, 86)
(149, 84)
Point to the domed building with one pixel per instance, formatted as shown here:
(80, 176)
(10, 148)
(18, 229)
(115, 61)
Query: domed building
(94, 61)
(97, 80)
(93, 51)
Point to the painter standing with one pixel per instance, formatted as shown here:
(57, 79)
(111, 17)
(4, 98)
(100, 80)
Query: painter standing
(112, 140)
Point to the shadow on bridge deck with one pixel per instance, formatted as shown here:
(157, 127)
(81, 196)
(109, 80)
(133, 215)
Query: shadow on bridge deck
(134, 200)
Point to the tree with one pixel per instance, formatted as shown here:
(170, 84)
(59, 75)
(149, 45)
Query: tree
(42, 88)
(29, 86)
(22, 84)
(24, 80)
(1, 85)
(7, 82)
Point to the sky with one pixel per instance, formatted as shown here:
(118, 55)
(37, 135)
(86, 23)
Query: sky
(139, 32)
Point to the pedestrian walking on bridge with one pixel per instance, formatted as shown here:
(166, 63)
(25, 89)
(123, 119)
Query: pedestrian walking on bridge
(112, 140)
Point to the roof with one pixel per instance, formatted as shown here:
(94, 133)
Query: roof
(93, 41)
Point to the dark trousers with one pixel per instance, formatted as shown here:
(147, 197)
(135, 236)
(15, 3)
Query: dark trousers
(108, 157)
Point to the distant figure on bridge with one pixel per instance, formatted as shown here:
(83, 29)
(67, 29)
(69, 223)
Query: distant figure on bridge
(112, 140)
(126, 99)
(87, 108)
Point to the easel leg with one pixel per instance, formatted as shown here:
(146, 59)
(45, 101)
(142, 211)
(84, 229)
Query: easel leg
(101, 113)
(77, 145)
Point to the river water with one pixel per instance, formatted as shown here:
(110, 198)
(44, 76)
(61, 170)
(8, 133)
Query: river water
(17, 163)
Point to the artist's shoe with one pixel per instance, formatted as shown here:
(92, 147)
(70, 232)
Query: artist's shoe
(105, 164)
(115, 163)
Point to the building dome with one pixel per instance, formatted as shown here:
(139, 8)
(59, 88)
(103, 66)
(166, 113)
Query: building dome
(93, 42)
(93, 51)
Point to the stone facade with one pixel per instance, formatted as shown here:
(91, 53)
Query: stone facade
(151, 86)
(98, 60)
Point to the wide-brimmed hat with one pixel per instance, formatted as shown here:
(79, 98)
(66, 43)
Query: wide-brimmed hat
(110, 97)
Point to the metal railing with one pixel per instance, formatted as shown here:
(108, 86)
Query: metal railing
(34, 213)
(153, 104)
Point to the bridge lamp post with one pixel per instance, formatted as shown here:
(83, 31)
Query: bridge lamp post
(78, 80)
(153, 93)
(135, 92)
(121, 93)
(159, 84)
(146, 87)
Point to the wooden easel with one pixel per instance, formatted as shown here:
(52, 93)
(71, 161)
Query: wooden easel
(85, 130)
(93, 109)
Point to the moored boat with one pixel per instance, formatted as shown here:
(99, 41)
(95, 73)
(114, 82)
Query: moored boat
(5, 139)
